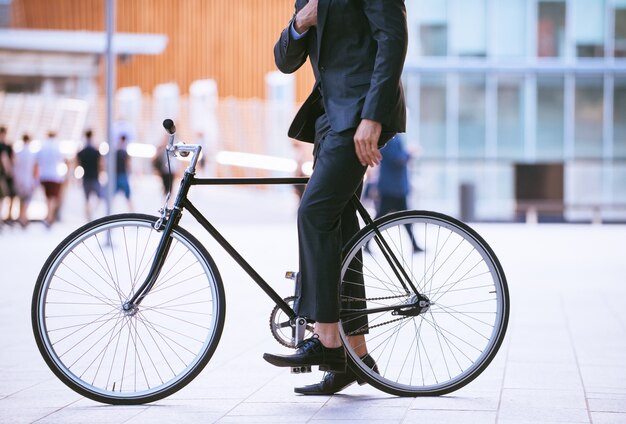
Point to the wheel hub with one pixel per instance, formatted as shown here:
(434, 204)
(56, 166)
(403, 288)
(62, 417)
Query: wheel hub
(414, 306)
(130, 309)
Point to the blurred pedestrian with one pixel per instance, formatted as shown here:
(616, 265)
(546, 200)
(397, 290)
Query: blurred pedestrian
(122, 162)
(7, 191)
(26, 177)
(90, 160)
(393, 182)
(201, 141)
(50, 162)
(164, 165)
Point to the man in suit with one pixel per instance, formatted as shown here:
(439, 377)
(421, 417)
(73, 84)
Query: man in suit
(357, 50)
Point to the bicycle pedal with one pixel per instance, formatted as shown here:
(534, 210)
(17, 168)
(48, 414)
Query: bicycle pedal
(301, 370)
(291, 275)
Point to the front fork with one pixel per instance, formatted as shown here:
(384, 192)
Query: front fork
(171, 218)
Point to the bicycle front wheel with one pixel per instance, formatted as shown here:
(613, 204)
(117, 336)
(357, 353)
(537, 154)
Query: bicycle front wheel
(435, 342)
(127, 357)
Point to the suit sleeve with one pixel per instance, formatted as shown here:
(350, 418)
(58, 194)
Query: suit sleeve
(290, 54)
(387, 20)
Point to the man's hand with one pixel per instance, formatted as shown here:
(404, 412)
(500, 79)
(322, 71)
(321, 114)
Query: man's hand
(306, 17)
(366, 142)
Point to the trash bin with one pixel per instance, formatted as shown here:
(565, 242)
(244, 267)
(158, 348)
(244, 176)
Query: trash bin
(467, 201)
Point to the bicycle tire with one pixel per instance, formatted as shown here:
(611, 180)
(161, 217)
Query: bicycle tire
(444, 347)
(79, 324)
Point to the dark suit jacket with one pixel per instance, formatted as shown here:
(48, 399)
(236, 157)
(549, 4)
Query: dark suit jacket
(357, 52)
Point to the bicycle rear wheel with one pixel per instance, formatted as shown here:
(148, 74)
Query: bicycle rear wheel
(127, 357)
(437, 346)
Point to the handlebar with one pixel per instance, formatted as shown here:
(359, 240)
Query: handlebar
(180, 148)
(170, 128)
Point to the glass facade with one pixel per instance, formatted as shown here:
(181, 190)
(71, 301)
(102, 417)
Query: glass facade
(550, 118)
(432, 117)
(619, 122)
(588, 117)
(510, 117)
(501, 82)
(471, 142)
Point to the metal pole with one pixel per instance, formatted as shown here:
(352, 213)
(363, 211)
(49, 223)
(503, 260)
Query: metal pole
(110, 86)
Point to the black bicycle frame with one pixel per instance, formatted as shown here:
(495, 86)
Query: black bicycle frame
(182, 202)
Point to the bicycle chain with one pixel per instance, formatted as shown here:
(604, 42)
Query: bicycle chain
(386, 322)
(376, 298)
(378, 325)
(388, 297)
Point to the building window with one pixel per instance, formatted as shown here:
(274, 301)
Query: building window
(428, 23)
(433, 115)
(471, 116)
(550, 118)
(589, 27)
(434, 39)
(620, 30)
(510, 117)
(619, 118)
(551, 29)
(509, 25)
(468, 28)
(588, 117)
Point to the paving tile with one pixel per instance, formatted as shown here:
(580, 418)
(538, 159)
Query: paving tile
(24, 415)
(450, 417)
(543, 399)
(207, 405)
(522, 421)
(364, 411)
(177, 414)
(607, 393)
(364, 421)
(262, 419)
(297, 411)
(93, 414)
(540, 414)
(603, 376)
(541, 376)
(474, 402)
(608, 418)
(607, 405)
(372, 399)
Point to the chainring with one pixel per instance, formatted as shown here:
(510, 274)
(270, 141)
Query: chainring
(281, 327)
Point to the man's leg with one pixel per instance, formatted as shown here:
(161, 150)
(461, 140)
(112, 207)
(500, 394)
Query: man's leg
(325, 213)
(336, 177)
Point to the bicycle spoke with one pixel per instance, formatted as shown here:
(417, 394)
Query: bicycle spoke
(451, 334)
(124, 356)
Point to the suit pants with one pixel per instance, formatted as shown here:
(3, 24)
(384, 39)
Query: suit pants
(327, 220)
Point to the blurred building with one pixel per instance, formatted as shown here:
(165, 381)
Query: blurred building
(228, 41)
(495, 83)
(517, 107)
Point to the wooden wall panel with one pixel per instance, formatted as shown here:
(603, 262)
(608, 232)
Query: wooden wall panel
(230, 41)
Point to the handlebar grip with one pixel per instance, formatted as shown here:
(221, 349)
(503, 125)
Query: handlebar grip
(169, 126)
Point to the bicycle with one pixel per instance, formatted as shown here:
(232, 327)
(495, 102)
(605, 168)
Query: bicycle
(129, 308)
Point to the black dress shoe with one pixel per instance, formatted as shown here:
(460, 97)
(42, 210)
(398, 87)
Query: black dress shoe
(312, 352)
(334, 382)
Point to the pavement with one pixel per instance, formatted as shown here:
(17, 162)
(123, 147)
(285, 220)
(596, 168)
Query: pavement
(563, 359)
